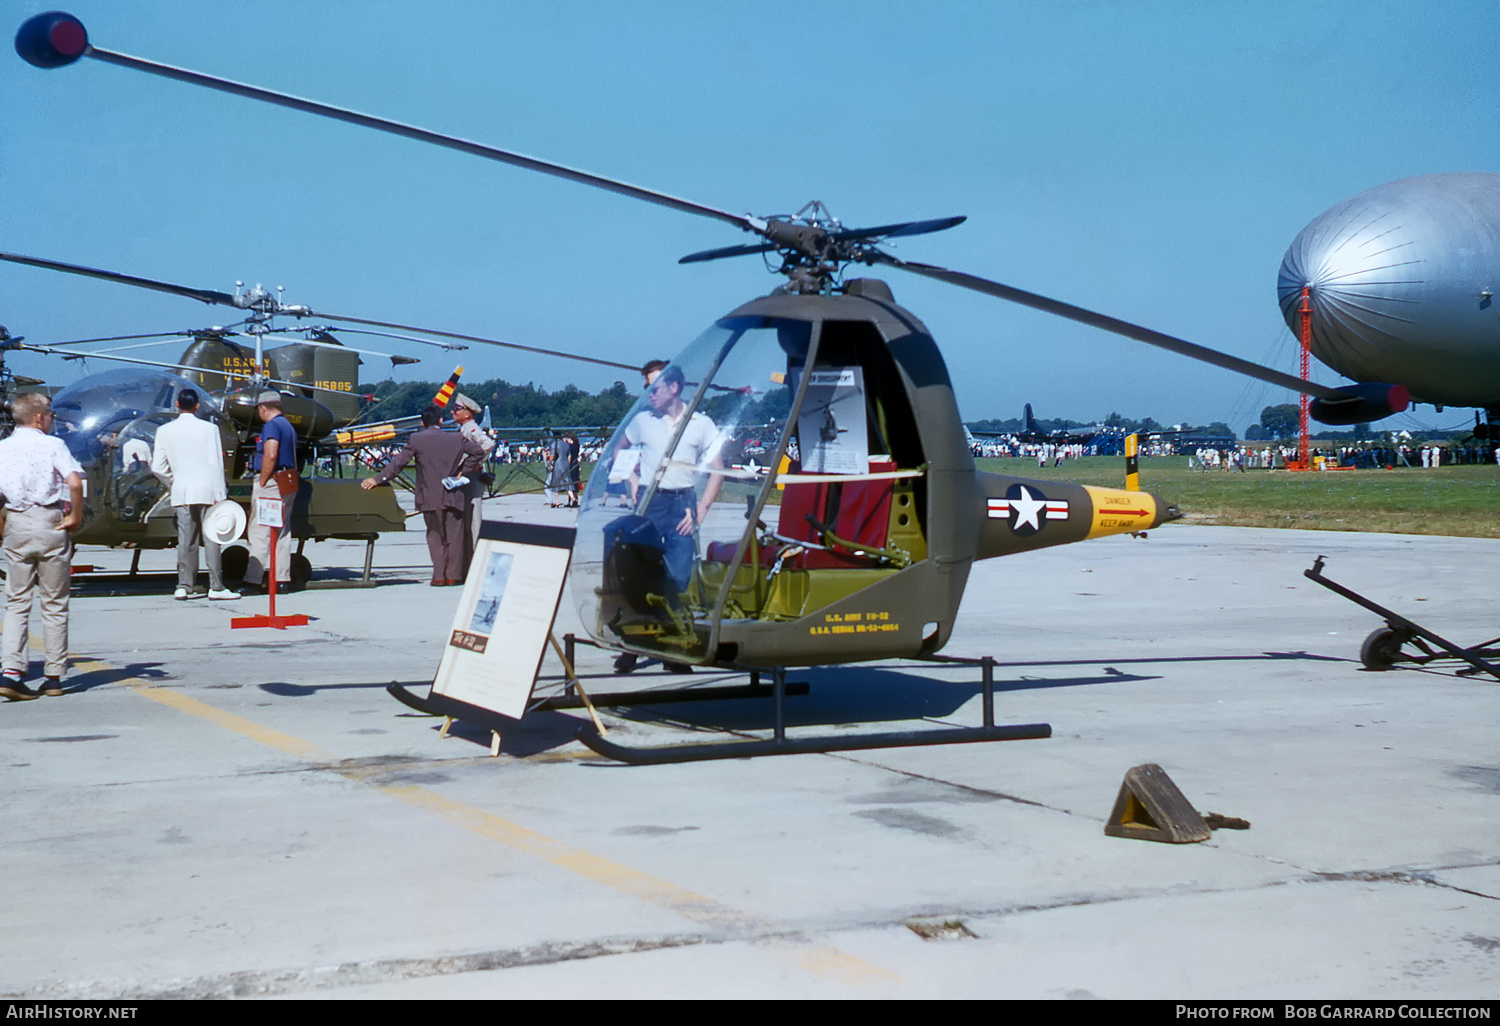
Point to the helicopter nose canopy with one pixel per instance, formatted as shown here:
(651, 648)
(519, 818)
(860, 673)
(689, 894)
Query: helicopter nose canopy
(91, 414)
(706, 430)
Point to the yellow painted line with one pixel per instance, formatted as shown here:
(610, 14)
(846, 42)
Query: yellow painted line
(819, 959)
(229, 721)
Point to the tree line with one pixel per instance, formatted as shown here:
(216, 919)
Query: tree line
(1278, 423)
(1218, 429)
(511, 405)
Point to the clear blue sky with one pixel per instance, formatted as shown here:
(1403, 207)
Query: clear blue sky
(1151, 160)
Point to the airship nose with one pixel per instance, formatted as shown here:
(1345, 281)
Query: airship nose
(1363, 270)
(1396, 279)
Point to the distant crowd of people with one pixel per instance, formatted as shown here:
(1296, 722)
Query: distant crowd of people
(1253, 455)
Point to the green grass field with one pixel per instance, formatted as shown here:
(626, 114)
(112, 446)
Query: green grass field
(1459, 500)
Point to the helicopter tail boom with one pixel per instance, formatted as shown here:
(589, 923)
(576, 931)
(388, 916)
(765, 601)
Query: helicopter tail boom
(1021, 515)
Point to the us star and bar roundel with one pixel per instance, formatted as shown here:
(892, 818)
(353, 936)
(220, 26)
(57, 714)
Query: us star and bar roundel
(1027, 509)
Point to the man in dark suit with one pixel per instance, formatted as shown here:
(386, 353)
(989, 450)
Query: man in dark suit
(440, 455)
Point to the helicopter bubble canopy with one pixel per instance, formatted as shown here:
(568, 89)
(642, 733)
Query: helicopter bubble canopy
(95, 413)
(708, 427)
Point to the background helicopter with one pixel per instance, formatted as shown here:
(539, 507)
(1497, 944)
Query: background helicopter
(109, 420)
(12, 384)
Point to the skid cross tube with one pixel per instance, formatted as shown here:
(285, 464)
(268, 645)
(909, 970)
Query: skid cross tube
(666, 696)
(777, 744)
(780, 744)
(1399, 623)
(801, 746)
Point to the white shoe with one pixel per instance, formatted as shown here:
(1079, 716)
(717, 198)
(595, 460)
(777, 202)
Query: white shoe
(223, 594)
(180, 594)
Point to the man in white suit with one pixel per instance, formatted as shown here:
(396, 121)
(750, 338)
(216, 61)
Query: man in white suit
(190, 457)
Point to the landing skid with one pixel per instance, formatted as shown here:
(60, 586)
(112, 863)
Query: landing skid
(780, 744)
(1385, 647)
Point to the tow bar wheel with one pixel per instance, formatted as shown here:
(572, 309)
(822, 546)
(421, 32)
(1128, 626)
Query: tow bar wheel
(1382, 649)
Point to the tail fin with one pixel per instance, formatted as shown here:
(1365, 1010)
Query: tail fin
(1028, 422)
(1132, 463)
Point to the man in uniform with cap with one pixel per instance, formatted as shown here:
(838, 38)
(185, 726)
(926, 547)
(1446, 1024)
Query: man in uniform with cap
(190, 458)
(464, 412)
(275, 451)
(441, 456)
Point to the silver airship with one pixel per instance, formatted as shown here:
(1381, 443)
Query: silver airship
(1401, 283)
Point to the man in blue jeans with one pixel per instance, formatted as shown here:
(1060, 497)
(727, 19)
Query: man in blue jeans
(675, 508)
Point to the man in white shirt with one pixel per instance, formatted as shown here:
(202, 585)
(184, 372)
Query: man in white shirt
(43, 489)
(675, 509)
(190, 457)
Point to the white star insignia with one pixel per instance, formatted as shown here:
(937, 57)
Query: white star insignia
(1027, 510)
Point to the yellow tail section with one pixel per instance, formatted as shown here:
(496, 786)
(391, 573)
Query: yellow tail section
(1118, 511)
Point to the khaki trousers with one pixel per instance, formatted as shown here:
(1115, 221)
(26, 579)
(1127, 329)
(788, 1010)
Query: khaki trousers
(39, 558)
(260, 536)
(473, 518)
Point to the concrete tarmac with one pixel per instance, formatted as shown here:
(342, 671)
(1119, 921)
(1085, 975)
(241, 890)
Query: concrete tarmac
(211, 812)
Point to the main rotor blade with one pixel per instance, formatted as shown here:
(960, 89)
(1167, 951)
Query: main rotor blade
(340, 347)
(905, 228)
(201, 295)
(224, 299)
(1111, 324)
(420, 134)
(123, 349)
(726, 251)
(386, 334)
(164, 340)
(165, 336)
(472, 338)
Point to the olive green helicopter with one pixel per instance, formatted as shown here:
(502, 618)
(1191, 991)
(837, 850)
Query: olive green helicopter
(852, 535)
(109, 421)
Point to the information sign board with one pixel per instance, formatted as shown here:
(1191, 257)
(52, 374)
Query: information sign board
(495, 647)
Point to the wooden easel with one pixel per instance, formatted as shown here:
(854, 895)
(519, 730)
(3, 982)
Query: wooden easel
(570, 679)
